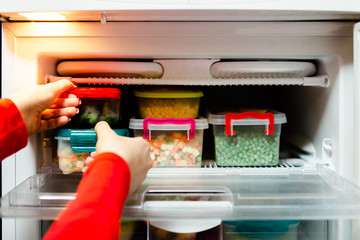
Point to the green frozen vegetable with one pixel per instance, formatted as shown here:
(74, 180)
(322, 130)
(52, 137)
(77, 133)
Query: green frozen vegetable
(92, 112)
(248, 147)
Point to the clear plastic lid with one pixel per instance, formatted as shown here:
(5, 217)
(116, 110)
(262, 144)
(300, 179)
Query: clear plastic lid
(168, 93)
(138, 124)
(219, 119)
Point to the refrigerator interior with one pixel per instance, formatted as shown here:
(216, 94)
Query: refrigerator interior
(321, 117)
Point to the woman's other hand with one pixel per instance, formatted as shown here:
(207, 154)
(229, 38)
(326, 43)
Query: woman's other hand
(47, 106)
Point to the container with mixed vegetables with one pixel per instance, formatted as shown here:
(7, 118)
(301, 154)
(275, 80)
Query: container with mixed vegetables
(75, 145)
(170, 146)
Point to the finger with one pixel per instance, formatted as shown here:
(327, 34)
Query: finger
(59, 87)
(102, 130)
(54, 113)
(89, 160)
(65, 102)
(53, 123)
(67, 95)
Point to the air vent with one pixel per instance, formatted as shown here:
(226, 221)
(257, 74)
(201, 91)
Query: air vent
(262, 69)
(117, 69)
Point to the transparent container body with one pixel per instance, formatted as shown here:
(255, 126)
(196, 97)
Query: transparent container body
(261, 229)
(69, 160)
(156, 233)
(173, 148)
(250, 146)
(93, 110)
(168, 107)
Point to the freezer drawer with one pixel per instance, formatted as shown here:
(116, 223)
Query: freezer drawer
(287, 191)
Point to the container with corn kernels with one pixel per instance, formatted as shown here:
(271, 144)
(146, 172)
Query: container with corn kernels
(168, 102)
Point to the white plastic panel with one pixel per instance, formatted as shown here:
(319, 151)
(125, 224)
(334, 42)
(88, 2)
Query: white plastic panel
(357, 116)
(212, 10)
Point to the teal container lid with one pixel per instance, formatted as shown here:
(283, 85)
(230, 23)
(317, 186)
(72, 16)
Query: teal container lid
(84, 140)
(261, 229)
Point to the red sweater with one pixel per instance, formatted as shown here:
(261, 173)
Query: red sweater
(13, 134)
(101, 194)
(100, 197)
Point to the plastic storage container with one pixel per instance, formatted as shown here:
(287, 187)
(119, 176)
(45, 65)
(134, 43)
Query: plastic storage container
(174, 142)
(261, 229)
(75, 145)
(97, 104)
(247, 138)
(168, 103)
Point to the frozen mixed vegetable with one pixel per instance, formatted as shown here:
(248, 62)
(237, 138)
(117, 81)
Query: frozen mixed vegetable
(174, 149)
(69, 160)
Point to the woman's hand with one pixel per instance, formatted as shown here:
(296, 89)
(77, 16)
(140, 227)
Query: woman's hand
(135, 151)
(47, 106)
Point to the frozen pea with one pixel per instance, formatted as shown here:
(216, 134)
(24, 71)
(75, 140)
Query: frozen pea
(70, 165)
(248, 147)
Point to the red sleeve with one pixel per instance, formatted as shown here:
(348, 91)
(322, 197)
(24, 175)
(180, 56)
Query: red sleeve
(100, 197)
(13, 134)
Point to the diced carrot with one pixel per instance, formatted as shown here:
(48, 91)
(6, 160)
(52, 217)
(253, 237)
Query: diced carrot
(157, 144)
(156, 151)
(177, 135)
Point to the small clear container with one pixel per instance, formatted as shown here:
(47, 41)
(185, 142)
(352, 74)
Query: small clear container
(75, 145)
(97, 104)
(247, 139)
(168, 103)
(261, 229)
(173, 142)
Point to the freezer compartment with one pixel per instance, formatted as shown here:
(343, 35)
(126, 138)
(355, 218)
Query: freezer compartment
(287, 191)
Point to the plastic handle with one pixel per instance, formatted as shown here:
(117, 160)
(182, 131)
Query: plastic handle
(238, 116)
(84, 140)
(208, 197)
(162, 121)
